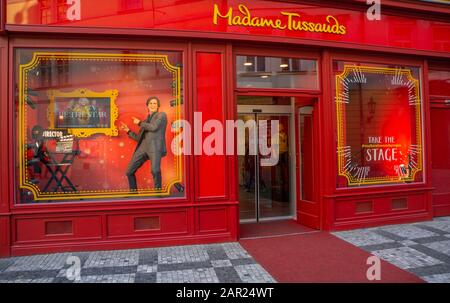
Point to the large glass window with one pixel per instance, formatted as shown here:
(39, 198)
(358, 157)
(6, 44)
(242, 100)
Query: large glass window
(276, 72)
(379, 124)
(97, 125)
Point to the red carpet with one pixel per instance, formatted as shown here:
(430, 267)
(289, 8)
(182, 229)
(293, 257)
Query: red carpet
(271, 228)
(318, 257)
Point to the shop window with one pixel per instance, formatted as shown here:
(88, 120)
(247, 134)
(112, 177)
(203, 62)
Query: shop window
(73, 109)
(276, 72)
(379, 124)
(439, 82)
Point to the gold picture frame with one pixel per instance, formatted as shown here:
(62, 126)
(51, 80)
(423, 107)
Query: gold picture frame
(84, 132)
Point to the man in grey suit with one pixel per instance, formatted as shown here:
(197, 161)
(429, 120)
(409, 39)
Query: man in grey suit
(151, 143)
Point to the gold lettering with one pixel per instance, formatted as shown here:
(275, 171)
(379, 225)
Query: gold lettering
(218, 14)
(244, 11)
(290, 21)
(335, 27)
(244, 18)
(318, 27)
(279, 24)
(236, 20)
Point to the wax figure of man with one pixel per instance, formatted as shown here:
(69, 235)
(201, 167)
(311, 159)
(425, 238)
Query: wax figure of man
(151, 143)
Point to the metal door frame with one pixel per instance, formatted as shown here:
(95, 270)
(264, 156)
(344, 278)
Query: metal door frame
(281, 110)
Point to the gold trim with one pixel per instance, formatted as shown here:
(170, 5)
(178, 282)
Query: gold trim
(23, 81)
(340, 113)
(112, 94)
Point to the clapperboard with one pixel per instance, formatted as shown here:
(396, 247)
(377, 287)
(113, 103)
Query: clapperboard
(65, 144)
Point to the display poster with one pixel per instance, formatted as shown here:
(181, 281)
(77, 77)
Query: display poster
(94, 125)
(379, 126)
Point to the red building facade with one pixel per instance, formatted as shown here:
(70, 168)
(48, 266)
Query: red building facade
(362, 108)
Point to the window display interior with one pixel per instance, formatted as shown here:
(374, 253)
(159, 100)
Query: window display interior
(71, 108)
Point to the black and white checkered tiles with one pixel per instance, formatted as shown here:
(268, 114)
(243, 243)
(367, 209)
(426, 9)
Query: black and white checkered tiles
(421, 248)
(227, 262)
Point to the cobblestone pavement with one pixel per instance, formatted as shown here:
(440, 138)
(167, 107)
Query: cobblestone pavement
(226, 263)
(420, 248)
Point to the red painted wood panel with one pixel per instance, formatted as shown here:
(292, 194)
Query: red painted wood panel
(440, 153)
(175, 222)
(4, 163)
(212, 220)
(396, 29)
(37, 229)
(346, 210)
(2, 16)
(210, 170)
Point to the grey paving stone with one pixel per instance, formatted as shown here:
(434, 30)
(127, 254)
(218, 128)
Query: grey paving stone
(382, 246)
(37, 280)
(235, 251)
(433, 253)
(199, 275)
(216, 252)
(408, 231)
(389, 235)
(363, 237)
(440, 246)
(431, 270)
(182, 254)
(119, 278)
(407, 243)
(39, 262)
(440, 278)
(431, 228)
(442, 218)
(146, 269)
(112, 258)
(227, 275)
(183, 266)
(244, 261)
(145, 277)
(5, 263)
(93, 271)
(221, 263)
(253, 273)
(430, 239)
(29, 275)
(443, 225)
(148, 257)
(61, 280)
(406, 257)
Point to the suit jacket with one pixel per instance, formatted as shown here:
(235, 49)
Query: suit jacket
(152, 134)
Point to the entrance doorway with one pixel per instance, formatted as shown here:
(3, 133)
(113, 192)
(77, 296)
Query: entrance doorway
(266, 192)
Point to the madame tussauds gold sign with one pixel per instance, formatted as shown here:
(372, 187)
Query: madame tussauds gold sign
(287, 21)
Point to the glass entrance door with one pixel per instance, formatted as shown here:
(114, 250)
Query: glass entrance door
(264, 190)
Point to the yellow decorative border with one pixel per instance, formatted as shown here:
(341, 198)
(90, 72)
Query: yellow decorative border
(39, 57)
(340, 111)
(79, 93)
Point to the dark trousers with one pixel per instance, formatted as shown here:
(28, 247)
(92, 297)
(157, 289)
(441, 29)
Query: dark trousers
(139, 158)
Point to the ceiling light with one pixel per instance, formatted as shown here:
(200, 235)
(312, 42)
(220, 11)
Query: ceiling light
(248, 64)
(284, 65)
(264, 76)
